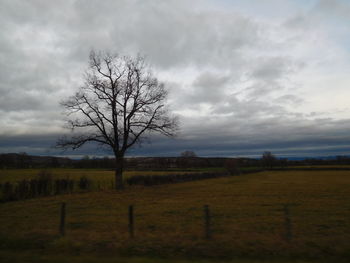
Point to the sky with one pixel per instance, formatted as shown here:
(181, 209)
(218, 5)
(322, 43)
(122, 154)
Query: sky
(244, 76)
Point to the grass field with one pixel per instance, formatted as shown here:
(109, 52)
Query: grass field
(102, 175)
(248, 221)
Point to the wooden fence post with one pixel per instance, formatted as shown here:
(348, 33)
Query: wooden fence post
(131, 221)
(63, 219)
(207, 230)
(287, 223)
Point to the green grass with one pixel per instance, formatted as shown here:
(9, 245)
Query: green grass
(248, 221)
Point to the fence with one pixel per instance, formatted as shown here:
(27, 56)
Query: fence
(206, 221)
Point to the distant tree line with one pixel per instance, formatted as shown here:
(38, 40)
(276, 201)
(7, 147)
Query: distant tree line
(23, 161)
(187, 160)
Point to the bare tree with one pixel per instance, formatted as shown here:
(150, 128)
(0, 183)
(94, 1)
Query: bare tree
(268, 159)
(120, 102)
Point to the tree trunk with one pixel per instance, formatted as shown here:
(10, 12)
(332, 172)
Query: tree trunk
(119, 173)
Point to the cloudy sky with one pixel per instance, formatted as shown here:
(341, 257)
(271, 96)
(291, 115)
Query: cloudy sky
(244, 76)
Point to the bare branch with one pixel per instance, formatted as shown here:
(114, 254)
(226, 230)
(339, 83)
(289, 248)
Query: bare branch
(118, 104)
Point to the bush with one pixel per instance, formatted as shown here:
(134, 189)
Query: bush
(232, 167)
(43, 185)
(84, 183)
(63, 186)
(7, 192)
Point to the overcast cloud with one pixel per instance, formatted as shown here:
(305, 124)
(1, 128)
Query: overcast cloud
(243, 76)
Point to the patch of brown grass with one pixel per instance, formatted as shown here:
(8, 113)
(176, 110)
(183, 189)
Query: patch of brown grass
(248, 219)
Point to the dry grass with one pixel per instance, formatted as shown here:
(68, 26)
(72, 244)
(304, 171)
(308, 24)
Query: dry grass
(248, 219)
(97, 175)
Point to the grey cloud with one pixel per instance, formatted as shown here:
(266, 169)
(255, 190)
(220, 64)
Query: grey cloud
(289, 99)
(261, 89)
(249, 110)
(275, 68)
(335, 8)
(267, 75)
(325, 14)
(44, 144)
(270, 74)
(209, 80)
(207, 88)
(240, 73)
(298, 22)
(289, 139)
(272, 129)
(173, 35)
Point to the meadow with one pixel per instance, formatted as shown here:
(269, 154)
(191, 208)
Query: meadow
(249, 221)
(97, 175)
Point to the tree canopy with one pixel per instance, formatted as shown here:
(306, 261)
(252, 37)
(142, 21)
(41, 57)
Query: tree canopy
(120, 102)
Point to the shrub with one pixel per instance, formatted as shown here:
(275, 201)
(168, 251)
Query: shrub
(84, 183)
(42, 185)
(63, 186)
(232, 167)
(7, 192)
